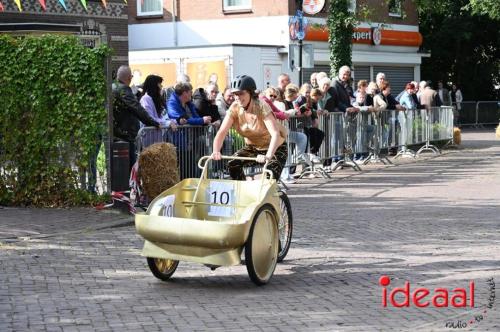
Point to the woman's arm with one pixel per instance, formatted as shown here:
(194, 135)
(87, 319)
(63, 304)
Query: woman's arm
(272, 127)
(227, 123)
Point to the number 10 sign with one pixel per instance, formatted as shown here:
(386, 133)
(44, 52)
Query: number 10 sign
(221, 193)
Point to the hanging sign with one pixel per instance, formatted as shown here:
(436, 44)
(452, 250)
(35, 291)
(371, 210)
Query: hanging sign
(297, 26)
(1, 7)
(18, 3)
(104, 3)
(42, 3)
(63, 4)
(312, 7)
(84, 4)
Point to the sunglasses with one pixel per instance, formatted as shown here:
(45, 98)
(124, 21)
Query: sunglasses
(273, 96)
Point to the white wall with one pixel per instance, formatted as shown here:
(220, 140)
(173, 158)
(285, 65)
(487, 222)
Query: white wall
(272, 30)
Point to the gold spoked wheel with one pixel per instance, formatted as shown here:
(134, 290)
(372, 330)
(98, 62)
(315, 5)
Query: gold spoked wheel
(261, 248)
(285, 226)
(162, 268)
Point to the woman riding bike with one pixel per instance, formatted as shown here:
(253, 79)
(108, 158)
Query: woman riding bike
(256, 123)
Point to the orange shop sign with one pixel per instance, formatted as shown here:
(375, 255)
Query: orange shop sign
(371, 36)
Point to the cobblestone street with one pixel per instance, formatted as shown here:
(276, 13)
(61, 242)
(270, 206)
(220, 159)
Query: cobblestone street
(433, 221)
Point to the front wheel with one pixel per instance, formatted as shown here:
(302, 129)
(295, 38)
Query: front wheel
(162, 268)
(285, 226)
(261, 248)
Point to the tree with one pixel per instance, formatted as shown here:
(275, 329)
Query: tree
(463, 43)
(341, 26)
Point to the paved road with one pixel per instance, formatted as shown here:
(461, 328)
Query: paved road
(433, 222)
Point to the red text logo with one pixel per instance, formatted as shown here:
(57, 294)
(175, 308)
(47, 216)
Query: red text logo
(423, 297)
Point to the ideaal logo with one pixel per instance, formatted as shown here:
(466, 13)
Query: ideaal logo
(440, 297)
(423, 297)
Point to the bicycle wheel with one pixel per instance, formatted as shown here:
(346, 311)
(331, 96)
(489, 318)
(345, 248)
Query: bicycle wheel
(285, 226)
(261, 248)
(162, 268)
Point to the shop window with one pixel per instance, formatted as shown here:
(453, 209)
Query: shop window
(236, 5)
(395, 8)
(149, 7)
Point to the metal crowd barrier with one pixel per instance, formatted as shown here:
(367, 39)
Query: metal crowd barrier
(192, 142)
(477, 113)
(345, 136)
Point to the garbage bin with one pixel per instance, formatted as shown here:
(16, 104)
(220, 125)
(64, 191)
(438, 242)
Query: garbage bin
(120, 166)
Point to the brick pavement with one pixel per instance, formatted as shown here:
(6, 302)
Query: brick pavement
(433, 222)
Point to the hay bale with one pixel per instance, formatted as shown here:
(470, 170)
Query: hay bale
(457, 136)
(158, 169)
(498, 131)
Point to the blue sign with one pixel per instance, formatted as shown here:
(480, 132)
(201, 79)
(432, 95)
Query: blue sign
(297, 26)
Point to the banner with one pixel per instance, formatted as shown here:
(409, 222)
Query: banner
(42, 3)
(1, 7)
(63, 4)
(84, 4)
(104, 3)
(18, 3)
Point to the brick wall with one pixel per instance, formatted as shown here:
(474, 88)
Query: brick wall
(209, 9)
(212, 9)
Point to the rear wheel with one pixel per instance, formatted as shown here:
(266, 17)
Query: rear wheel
(261, 248)
(162, 268)
(285, 226)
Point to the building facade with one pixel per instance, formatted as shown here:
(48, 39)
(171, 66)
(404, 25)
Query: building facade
(225, 38)
(95, 25)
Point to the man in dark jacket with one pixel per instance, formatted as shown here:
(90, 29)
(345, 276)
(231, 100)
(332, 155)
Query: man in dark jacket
(127, 112)
(340, 93)
(204, 101)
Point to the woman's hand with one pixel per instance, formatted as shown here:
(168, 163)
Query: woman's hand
(261, 158)
(173, 125)
(182, 121)
(216, 156)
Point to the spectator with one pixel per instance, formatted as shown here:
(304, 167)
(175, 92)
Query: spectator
(421, 87)
(340, 100)
(181, 108)
(128, 112)
(306, 109)
(314, 81)
(283, 81)
(182, 78)
(152, 101)
(407, 100)
(444, 94)
(324, 84)
(429, 97)
(379, 79)
(223, 101)
(456, 99)
(204, 101)
(371, 91)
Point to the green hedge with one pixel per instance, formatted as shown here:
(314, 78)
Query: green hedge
(52, 106)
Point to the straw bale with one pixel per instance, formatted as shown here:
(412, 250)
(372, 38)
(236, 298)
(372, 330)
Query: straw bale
(158, 169)
(498, 131)
(457, 136)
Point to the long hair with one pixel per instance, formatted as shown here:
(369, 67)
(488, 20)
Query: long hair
(150, 87)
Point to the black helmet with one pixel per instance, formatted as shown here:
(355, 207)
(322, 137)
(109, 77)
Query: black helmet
(243, 82)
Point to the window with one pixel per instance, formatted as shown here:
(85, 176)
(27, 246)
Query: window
(228, 5)
(352, 6)
(395, 8)
(149, 7)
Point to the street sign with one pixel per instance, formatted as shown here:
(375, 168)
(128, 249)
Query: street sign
(297, 26)
(307, 56)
